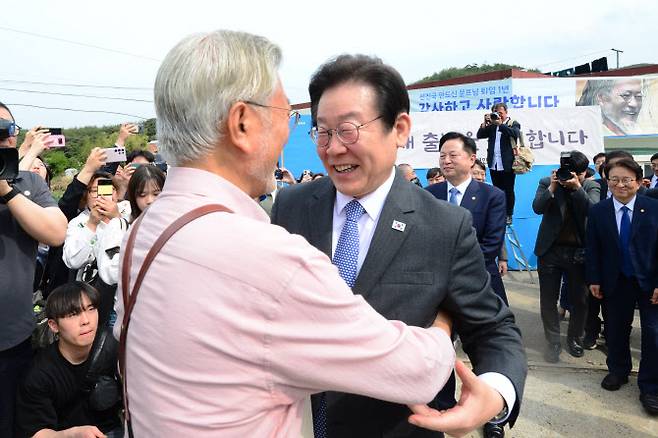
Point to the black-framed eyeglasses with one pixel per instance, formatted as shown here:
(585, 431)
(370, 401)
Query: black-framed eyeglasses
(293, 115)
(347, 133)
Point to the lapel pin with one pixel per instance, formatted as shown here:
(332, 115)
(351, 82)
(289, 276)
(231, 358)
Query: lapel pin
(641, 210)
(399, 226)
(473, 198)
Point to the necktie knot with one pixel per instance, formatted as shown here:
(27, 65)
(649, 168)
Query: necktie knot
(454, 191)
(453, 195)
(354, 210)
(625, 209)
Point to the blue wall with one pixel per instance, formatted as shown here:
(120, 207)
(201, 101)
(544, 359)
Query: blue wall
(300, 154)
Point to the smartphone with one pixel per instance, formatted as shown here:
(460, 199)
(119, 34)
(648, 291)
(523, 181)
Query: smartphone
(57, 139)
(115, 155)
(105, 187)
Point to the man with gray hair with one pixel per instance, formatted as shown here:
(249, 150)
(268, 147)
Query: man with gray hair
(255, 319)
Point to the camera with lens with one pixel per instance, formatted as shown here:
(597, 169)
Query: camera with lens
(8, 155)
(278, 174)
(566, 167)
(494, 116)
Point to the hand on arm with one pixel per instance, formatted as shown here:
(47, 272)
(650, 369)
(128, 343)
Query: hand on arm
(478, 404)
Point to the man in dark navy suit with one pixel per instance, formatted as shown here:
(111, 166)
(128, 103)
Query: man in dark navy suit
(486, 203)
(624, 272)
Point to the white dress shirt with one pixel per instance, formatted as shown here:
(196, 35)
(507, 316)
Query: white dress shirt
(373, 203)
(654, 182)
(461, 189)
(498, 156)
(618, 213)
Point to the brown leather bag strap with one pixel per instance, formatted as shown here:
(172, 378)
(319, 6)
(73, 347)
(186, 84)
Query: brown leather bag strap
(129, 299)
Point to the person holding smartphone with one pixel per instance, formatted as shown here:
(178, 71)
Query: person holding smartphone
(93, 238)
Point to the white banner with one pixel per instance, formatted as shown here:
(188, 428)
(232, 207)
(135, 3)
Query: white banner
(547, 133)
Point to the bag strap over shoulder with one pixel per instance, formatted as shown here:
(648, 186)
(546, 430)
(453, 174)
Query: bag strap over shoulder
(129, 299)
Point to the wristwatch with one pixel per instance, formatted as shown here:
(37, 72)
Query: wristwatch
(9, 196)
(501, 415)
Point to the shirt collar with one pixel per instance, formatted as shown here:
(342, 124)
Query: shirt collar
(618, 205)
(461, 187)
(372, 203)
(187, 181)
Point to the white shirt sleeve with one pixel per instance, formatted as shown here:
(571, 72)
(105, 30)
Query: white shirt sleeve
(504, 387)
(79, 243)
(109, 238)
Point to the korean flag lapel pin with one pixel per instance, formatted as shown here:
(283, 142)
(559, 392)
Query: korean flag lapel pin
(399, 226)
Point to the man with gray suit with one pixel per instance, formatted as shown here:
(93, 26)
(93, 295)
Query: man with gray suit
(563, 200)
(410, 255)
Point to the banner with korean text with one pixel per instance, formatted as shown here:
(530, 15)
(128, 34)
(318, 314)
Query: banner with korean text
(547, 133)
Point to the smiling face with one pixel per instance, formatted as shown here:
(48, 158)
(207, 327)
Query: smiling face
(359, 168)
(455, 161)
(623, 103)
(623, 184)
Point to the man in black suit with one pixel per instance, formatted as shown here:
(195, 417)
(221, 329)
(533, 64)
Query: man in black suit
(624, 273)
(415, 255)
(563, 201)
(486, 203)
(500, 130)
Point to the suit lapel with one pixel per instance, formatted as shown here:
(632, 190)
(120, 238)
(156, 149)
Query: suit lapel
(386, 240)
(319, 217)
(611, 219)
(638, 215)
(470, 198)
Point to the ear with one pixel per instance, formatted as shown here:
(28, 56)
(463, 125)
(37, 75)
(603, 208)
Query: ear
(242, 123)
(52, 324)
(402, 129)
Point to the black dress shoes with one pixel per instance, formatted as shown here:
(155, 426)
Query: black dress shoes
(613, 382)
(589, 342)
(552, 353)
(492, 430)
(574, 348)
(649, 401)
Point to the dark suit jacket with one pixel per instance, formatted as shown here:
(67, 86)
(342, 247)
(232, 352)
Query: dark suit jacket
(652, 193)
(434, 263)
(487, 205)
(553, 210)
(604, 261)
(506, 152)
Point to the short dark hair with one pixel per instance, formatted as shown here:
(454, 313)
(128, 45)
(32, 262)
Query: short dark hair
(597, 156)
(392, 98)
(140, 153)
(589, 172)
(628, 164)
(615, 155)
(579, 161)
(479, 164)
(138, 181)
(499, 105)
(654, 157)
(66, 299)
(468, 144)
(433, 173)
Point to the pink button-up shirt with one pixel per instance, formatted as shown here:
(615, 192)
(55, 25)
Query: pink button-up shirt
(238, 322)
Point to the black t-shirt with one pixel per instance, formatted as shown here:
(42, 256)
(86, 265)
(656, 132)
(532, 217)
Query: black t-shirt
(51, 397)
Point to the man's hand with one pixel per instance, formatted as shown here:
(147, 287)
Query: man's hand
(497, 122)
(73, 432)
(654, 297)
(502, 267)
(444, 322)
(95, 217)
(596, 291)
(573, 183)
(478, 404)
(554, 182)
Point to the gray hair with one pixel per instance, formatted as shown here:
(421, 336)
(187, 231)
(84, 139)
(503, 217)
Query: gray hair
(199, 80)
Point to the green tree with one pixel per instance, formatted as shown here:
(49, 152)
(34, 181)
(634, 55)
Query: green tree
(469, 69)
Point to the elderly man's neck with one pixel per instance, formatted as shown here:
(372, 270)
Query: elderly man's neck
(225, 168)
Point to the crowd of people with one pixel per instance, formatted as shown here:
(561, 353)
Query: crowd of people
(239, 320)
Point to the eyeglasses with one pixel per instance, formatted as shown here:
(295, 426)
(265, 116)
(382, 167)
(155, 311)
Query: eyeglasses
(628, 96)
(347, 133)
(292, 114)
(452, 155)
(616, 181)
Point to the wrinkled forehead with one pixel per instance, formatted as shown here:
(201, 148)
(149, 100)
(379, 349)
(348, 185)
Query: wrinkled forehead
(633, 86)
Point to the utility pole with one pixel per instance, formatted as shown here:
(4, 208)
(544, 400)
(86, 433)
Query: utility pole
(618, 52)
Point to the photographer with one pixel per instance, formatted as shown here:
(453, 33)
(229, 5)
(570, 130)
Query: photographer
(563, 200)
(71, 389)
(28, 215)
(499, 129)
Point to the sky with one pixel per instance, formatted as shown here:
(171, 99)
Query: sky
(112, 49)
